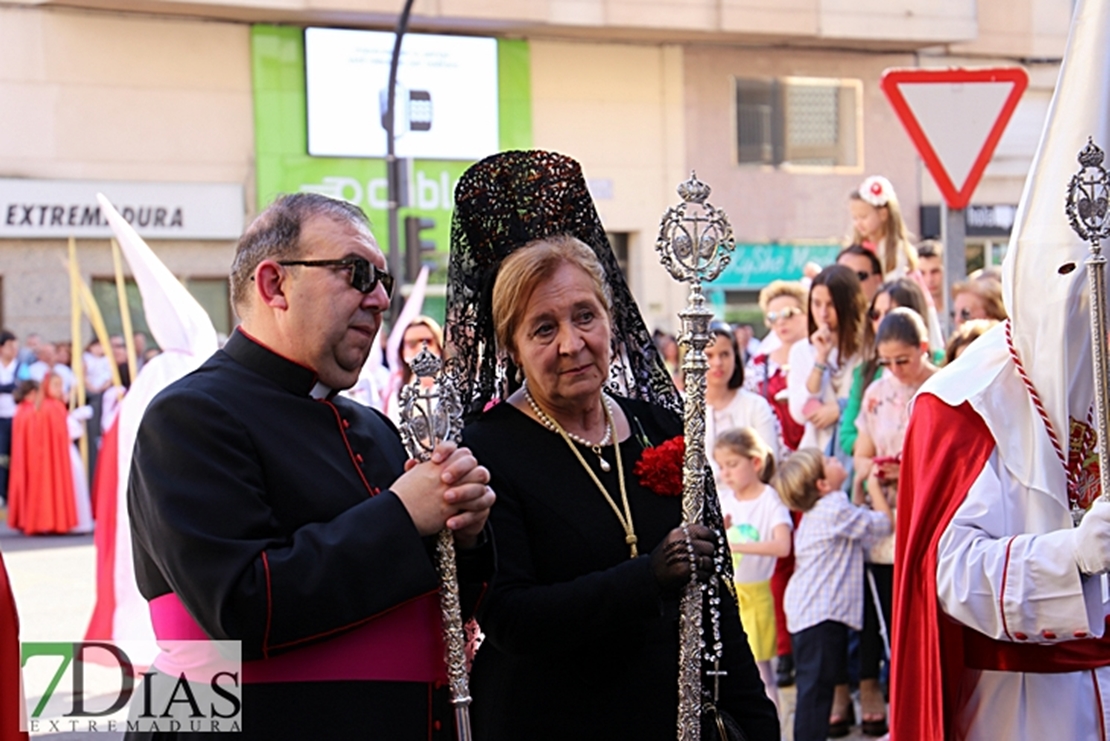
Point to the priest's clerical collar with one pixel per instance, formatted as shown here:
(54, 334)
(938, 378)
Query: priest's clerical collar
(320, 391)
(290, 375)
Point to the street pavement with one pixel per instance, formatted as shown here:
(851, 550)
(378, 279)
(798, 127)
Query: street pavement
(54, 581)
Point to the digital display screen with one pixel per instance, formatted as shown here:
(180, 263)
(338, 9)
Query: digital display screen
(446, 97)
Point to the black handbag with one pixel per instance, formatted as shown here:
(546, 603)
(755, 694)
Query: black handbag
(718, 725)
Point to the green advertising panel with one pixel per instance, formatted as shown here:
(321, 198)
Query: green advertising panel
(284, 165)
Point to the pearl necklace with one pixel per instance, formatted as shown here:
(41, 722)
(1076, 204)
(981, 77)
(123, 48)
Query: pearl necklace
(554, 426)
(624, 517)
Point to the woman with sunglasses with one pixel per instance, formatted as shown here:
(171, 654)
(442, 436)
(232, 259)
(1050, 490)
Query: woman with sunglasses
(902, 350)
(892, 294)
(979, 297)
(784, 312)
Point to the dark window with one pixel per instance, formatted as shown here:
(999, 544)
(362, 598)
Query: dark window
(619, 242)
(800, 121)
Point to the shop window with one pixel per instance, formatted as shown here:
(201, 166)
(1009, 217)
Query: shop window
(619, 242)
(799, 122)
(212, 294)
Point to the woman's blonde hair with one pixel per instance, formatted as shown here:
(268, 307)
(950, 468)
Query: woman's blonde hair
(797, 477)
(524, 270)
(778, 288)
(747, 443)
(989, 290)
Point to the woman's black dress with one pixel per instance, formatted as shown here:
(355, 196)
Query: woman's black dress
(579, 642)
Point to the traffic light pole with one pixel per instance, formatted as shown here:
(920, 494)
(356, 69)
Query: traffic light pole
(396, 268)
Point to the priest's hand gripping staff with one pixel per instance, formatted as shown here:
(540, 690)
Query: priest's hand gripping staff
(1088, 209)
(430, 416)
(695, 242)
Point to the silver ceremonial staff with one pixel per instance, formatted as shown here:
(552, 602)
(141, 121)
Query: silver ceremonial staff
(429, 416)
(1089, 213)
(694, 244)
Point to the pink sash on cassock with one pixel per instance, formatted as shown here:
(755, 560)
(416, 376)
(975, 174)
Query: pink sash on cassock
(404, 644)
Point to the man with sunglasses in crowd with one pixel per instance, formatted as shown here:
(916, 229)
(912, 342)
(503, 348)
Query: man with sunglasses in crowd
(866, 265)
(265, 509)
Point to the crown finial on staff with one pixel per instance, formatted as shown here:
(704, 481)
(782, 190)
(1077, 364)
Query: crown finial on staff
(693, 190)
(695, 238)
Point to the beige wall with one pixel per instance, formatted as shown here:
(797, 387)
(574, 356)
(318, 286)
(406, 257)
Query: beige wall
(618, 109)
(774, 204)
(897, 23)
(1020, 29)
(104, 95)
(114, 97)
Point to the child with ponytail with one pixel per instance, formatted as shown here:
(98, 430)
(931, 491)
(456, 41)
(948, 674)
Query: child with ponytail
(758, 526)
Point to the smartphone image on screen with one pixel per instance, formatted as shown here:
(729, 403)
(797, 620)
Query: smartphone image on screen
(420, 110)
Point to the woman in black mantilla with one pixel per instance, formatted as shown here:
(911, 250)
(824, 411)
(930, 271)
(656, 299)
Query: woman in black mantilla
(581, 620)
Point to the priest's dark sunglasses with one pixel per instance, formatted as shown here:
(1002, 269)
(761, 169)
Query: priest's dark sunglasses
(365, 276)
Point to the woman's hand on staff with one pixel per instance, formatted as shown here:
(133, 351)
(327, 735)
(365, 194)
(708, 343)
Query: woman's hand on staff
(671, 562)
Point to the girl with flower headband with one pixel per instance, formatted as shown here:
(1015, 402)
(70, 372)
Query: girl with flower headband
(877, 222)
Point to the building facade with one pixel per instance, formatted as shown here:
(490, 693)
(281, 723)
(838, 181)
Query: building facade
(201, 107)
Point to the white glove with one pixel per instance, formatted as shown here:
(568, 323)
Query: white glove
(1092, 539)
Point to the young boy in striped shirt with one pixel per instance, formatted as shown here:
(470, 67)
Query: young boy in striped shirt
(825, 595)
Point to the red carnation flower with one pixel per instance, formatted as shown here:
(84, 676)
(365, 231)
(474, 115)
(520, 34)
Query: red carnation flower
(660, 467)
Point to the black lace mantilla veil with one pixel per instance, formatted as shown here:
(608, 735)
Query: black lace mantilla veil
(501, 203)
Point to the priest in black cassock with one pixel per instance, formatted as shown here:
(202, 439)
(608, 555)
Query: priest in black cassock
(265, 509)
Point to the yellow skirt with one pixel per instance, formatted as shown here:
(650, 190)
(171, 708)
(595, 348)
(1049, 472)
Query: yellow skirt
(757, 615)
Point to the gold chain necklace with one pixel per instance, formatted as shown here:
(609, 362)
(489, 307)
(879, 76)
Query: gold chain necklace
(625, 518)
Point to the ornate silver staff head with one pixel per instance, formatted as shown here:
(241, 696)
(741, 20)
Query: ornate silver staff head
(429, 415)
(695, 239)
(1088, 191)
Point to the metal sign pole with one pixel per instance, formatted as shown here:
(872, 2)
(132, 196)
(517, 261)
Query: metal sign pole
(953, 234)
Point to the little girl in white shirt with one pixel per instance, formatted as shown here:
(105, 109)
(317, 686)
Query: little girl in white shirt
(758, 526)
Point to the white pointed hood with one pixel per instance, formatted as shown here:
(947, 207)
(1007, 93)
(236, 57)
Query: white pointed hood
(184, 332)
(1049, 306)
(174, 317)
(1045, 290)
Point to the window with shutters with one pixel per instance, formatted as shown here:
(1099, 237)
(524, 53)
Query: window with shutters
(799, 122)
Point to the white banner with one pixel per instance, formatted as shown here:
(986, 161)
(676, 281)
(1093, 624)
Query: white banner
(51, 209)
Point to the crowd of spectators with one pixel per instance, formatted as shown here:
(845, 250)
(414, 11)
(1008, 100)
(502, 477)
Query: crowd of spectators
(50, 428)
(845, 351)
